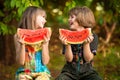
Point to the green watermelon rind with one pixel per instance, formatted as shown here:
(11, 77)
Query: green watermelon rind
(31, 43)
(80, 42)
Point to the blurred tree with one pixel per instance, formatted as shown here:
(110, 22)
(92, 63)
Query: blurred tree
(10, 13)
(107, 13)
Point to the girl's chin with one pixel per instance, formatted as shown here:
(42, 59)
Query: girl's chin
(72, 28)
(39, 27)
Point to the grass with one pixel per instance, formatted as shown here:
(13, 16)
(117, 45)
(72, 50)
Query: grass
(108, 67)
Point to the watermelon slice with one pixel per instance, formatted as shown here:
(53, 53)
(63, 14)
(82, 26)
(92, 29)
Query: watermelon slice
(75, 37)
(33, 36)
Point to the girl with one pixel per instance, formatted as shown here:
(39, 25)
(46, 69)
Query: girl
(33, 64)
(79, 56)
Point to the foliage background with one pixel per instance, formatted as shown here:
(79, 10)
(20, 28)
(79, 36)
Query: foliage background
(107, 14)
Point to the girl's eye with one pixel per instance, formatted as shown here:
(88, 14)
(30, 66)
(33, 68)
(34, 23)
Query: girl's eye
(71, 16)
(44, 17)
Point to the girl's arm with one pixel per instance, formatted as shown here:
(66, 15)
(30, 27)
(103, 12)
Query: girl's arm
(88, 55)
(20, 50)
(45, 53)
(68, 50)
(68, 53)
(45, 49)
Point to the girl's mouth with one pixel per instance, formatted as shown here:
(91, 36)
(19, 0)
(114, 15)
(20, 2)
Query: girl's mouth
(70, 23)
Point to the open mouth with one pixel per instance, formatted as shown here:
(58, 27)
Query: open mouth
(71, 23)
(39, 27)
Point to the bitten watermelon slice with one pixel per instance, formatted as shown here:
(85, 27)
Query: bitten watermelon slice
(75, 37)
(33, 36)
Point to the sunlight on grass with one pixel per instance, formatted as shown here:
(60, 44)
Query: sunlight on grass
(109, 66)
(57, 61)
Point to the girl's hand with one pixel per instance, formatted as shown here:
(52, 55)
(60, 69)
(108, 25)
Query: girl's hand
(89, 39)
(47, 38)
(63, 40)
(20, 40)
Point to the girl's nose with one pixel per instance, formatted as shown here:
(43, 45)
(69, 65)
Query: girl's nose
(45, 20)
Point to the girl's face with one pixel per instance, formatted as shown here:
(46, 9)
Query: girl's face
(73, 23)
(40, 21)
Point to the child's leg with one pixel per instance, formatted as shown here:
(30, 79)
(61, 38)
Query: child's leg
(43, 76)
(66, 76)
(22, 77)
(93, 77)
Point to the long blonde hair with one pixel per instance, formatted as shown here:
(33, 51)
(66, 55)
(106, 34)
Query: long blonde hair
(28, 20)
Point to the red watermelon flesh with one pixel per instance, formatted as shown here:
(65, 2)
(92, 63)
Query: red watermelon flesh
(75, 37)
(33, 36)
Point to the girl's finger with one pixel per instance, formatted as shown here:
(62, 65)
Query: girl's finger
(61, 37)
(90, 39)
(46, 39)
(49, 33)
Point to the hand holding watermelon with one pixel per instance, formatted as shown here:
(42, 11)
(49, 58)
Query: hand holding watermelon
(34, 36)
(18, 39)
(47, 37)
(89, 39)
(63, 40)
(75, 37)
